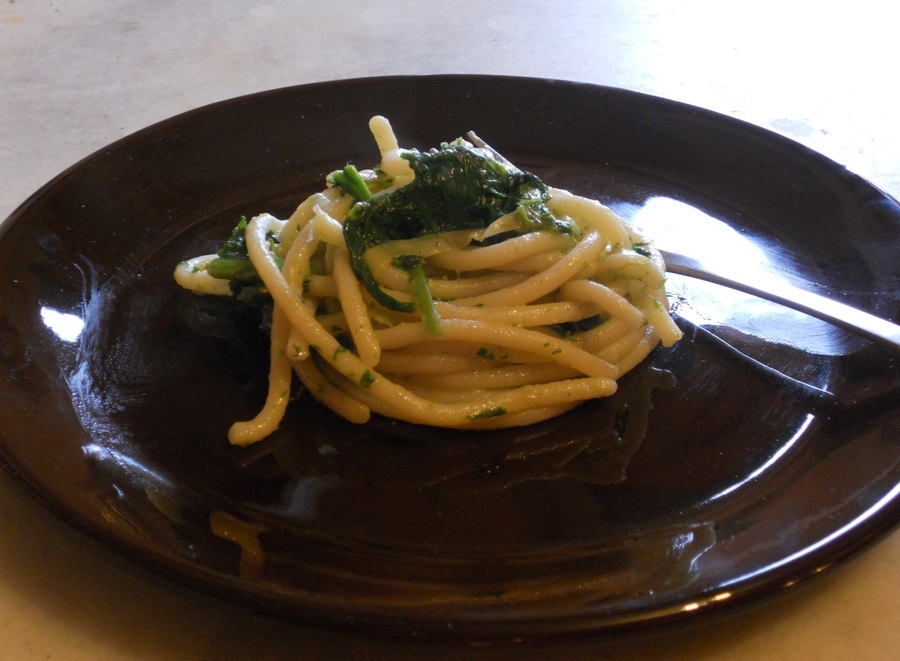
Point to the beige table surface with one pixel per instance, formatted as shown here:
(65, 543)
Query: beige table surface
(75, 76)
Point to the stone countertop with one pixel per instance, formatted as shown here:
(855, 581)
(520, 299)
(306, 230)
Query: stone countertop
(77, 76)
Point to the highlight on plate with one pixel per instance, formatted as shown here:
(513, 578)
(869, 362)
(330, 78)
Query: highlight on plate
(442, 287)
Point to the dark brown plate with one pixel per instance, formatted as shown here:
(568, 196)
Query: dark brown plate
(760, 450)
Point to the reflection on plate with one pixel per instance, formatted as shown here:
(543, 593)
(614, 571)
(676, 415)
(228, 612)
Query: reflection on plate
(753, 454)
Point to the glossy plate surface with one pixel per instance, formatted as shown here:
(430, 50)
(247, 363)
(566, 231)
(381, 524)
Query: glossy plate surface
(759, 451)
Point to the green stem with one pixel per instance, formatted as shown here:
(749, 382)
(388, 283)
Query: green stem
(351, 182)
(414, 265)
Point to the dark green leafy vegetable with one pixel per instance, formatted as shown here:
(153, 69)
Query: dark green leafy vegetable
(569, 328)
(641, 248)
(455, 188)
(232, 262)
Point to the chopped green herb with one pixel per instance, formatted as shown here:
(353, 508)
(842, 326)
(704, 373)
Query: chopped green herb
(368, 378)
(485, 353)
(487, 413)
